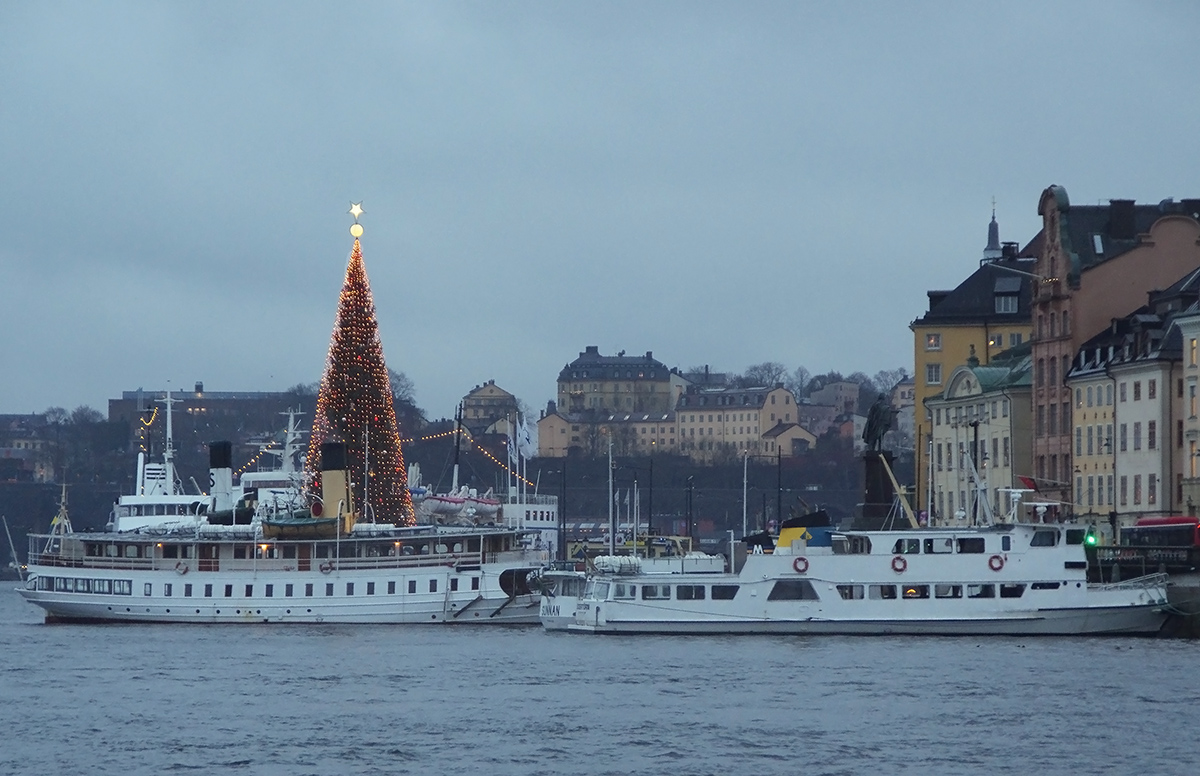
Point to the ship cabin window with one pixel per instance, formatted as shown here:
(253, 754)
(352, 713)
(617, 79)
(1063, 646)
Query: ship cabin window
(321, 551)
(1076, 535)
(906, 547)
(412, 585)
(881, 592)
(92, 550)
(972, 545)
(622, 591)
(433, 585)
(939, 546)
(474, 583)
(132, 551)
(859, 545)
(249, 591)
(1044, 586)
(122, 587)
(349, 588)
(850, 592)
(239, 551)
(110, 550)
(392, 587)
(947, 591)
(229, 591)
(654, 592)
(1011, 590)
(981, 591)
(793, 590)
(270, 591)
(915, 591)
(1044, 538)
(208, 591)
(288, 590)
(170, 551)
(328, 589)
(689, 592)
(371, 586)
(289, 551)
(187, 591)
(147, 589)
(598, 591)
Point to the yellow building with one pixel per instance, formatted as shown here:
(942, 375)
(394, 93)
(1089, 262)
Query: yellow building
(985, 315)
(729, 422)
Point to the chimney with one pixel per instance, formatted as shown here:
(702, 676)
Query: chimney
(1009, 250)
(649, 354)
(1121, 223)
(220, 473)
(592, 350)
(199, 387)
(335, 482)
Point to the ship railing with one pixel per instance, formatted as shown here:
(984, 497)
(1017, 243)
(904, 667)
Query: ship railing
(1137, 583)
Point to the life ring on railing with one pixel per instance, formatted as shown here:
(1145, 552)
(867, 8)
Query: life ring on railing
(181, 568)
(899, 564)
(800, 564)
(326, 567)
(996, 562)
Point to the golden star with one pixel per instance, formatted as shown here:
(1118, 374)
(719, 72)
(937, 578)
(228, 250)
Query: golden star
(356, 210)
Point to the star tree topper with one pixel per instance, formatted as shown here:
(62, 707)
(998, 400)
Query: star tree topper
(356, 210)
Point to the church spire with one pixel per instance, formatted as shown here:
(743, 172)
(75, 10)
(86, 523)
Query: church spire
(993, 249)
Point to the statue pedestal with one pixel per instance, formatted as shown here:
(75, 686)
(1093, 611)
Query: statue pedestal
(878, 493)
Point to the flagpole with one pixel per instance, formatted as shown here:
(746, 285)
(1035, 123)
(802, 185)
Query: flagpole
(612, 526)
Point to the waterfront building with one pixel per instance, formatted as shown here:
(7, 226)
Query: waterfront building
(1189, 331)
(1128, 421)
(588, 433)
(988, 312)
(979, 439)
(1094, 263)
(719, 423)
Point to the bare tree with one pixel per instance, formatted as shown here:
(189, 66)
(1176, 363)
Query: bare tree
(797, 383)
(768, 373)
(886, 380)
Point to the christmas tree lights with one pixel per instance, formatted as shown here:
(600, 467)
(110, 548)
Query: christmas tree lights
(354, 405)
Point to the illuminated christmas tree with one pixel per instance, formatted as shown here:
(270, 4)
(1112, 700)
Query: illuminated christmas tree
(355, 403)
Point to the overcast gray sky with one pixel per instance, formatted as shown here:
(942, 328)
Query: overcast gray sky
(722, 184)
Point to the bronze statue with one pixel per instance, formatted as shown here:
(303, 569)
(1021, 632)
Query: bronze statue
(879, 420)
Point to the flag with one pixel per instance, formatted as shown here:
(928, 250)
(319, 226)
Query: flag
(525, 439)
(1028, 482)
(512, 445)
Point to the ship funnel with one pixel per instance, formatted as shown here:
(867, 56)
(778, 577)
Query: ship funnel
(220, 474)
(335, 484)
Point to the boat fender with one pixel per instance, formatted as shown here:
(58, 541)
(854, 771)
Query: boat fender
(800, 564)
(996, 562)
(899, 564)
(181, 568)
(326, 567)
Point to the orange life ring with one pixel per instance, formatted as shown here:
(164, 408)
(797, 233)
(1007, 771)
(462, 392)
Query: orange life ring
(899, 564)
(800, 565)
(996, 562)
(326, 567)
(181, 568)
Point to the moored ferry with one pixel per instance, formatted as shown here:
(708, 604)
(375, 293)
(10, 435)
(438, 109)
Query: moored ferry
(1013, 579)
(250, 553)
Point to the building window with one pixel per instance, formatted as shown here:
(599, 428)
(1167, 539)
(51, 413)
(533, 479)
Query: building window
(1124, 490)
(1137, 489)
(1078, 441)
(933, 374)
(1124, 440)
(1121, 392)
(1108, 395)
(1089, 395)
(1151, 434)
(1014, 340)
(1137, 436)
(1137, 390)
(933, 341)
(1006, 303)
(1151, 489)
(1040, 376)
(1152, 389)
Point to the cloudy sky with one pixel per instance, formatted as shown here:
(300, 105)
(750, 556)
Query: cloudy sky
(722, 184)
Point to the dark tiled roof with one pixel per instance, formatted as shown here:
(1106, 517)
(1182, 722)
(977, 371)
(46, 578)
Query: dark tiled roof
(605, 367)
(975, 298)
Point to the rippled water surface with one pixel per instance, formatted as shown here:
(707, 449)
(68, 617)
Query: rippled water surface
(132, 699)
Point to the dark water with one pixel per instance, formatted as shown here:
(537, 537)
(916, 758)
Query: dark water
(129, 699)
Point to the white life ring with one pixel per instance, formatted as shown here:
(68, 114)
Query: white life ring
(899, 564)
(326, 567)
(181, 568)
(800, 565)
(996, 562)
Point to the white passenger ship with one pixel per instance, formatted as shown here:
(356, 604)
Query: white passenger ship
(171, 557)
(1008, 579)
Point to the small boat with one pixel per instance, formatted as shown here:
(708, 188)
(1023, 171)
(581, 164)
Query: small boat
(299, 527)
